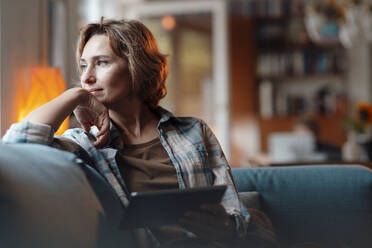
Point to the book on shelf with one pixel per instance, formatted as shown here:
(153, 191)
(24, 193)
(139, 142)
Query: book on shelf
(296, 63)
(266, 8)
(266, 93)
(275, 102)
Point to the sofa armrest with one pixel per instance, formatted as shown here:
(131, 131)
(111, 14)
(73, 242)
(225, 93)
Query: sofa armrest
(49, 199)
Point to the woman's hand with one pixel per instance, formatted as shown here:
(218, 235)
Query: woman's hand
(91, 112)
(212, 222)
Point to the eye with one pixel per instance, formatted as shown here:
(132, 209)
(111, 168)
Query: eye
(102, 62)
(83, 67)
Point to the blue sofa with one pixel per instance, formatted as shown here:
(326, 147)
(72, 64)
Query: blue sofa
(49, 198)
(328, 205)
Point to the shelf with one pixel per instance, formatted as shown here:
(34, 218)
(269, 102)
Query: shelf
(288, 33)
(289, 118)
(275, 18)
(281, 46)
(331, 128)
(301, 63)
(303, 77)
(268, 19)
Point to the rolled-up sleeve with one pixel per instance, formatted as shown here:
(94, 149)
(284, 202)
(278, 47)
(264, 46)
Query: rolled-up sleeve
(249, 231)
(222, 175)
(27, 132)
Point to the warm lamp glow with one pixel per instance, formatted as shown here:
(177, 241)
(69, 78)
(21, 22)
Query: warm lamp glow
(168, 22)
(45, 84)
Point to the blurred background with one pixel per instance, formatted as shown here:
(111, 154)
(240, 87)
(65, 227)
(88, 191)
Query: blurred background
(259, 72)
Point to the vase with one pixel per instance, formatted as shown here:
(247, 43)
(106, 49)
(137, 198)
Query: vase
(352, 150)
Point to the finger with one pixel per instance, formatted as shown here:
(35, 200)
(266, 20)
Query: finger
(215, 209)
(101, 140)
(86, 126)
(203, 217)
(211, 229)
(217, 221)
(102, 137)
(104, 127)
(202, 230)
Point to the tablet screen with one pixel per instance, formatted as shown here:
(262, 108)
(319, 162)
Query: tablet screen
(166, 206)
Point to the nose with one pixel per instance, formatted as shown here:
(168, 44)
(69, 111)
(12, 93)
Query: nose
(88, 76)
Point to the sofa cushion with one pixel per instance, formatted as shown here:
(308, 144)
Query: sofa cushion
(49, 199)
(250, 199)
(330, 205)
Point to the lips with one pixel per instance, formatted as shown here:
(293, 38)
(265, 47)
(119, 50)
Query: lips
(94, 90)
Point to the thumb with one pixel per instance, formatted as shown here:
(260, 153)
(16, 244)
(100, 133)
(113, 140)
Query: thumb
(104, 126)
(86, 126)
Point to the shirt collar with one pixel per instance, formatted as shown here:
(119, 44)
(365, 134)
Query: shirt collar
(165, 115)
(115, 139)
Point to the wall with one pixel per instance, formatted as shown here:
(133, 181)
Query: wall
(63, 38)
(245, 140)
(20, 39)
(24, 44)
(359, 79)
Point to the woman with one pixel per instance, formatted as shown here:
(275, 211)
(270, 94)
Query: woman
(137, 145)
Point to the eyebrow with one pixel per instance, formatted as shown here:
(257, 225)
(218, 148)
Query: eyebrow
(96, 57)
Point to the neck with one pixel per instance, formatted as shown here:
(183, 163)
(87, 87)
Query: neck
(133, 119)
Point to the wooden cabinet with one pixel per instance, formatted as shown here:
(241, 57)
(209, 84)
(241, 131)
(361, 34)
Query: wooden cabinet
(331, 129)
(242, 67)
(298, 75)
(278, 74)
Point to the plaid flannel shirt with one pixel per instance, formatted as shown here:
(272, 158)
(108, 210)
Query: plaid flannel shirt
(189, 142)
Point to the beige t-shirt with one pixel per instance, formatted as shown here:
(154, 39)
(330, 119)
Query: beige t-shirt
(147, 167)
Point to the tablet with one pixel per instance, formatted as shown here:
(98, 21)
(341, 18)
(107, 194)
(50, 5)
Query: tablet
(165, 207)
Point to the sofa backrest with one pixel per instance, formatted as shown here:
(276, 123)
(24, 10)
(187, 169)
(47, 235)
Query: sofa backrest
(331, 205)
(49, 199)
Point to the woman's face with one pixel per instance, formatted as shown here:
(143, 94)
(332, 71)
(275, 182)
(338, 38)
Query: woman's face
(104, 74)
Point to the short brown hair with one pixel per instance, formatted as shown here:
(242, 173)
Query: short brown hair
(134, 42)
